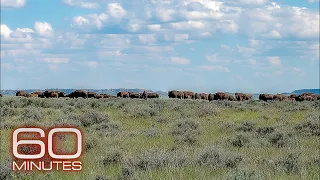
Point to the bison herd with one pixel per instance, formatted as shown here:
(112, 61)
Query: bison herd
(86, 94)
(241, 96)
(172, 94)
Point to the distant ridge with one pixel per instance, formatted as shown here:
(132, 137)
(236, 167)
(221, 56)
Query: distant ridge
(300, 91)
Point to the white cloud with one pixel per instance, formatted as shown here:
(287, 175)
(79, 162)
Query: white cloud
(5, 30)
(147, 38)
(12, 3)
(56, 60)
(313, 1)
(90, 22)
(179, 60)
(274, 60)
(253, 2)
(215, 68)
(116, 10)
(212, 58)
(82, 4)
(43, 29)
(252, 61)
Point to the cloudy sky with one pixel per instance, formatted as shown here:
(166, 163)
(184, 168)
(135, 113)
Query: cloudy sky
(200, 45)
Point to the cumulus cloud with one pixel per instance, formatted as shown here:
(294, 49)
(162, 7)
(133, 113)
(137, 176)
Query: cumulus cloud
(116, 10)
(12, 3)
(179, 60)
(43, 29)
(82, 4)
(56, 60)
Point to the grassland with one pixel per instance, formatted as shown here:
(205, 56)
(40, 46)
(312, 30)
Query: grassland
(176, 139)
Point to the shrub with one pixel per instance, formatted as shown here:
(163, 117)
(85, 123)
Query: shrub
(154, 158)
(186, 131)
(288, 164)
(216, 158)
(246, 126)
(5, 170)
(32, 113)
(102, 178)
(279, 139)
(92, 117)
(244, 173)
(114, 156)
(309, 127)
(239, 140)
(8, 111)
(108, 128)
(262, 131)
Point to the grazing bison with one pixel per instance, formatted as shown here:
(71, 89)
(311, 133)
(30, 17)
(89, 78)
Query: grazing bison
(299, 98)
(22, 93)
(134, 95)
(220, 96)
(144, 95)
(306, 94)
(211, 97)
(316, 96)
(153, 95)
(308, 98)
(203, 96)
(61, 94)
(92, 94)
(231, 97)
(54, 95)
(0, 95)
(99, 96)
(243, 96)
(265, 97)
(293, 95)
(197, 96)
(123, 94)
(279, 97)
(188, 95)
(175, 94)
(78, 93)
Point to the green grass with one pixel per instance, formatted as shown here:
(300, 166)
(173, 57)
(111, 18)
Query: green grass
(129, 137)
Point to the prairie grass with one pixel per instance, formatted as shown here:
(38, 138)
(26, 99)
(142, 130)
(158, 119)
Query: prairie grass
(175, 139)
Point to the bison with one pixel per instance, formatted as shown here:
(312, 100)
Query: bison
(220, 96)
(22, 93)
(203, 96)
(92, 94)
(316, 96)
(134, 95)
(153, 95)
(144, 95)
(175, 94)
(1, 95)
(265, 97)
(299, 98)
(78, 93)
(123, 94)
(188, 95)
(279, 97)
(243, 96)
(306, 94)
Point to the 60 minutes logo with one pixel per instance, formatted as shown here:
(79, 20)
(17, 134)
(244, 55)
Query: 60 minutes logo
(43, 157)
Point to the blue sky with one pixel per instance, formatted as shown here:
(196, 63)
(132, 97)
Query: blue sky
(250, 46)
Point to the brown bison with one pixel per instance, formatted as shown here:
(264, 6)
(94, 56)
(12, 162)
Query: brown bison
(134, 95)
(1, 95)
(308, 98)
(316, 96)
(78, 93)
(197, 96)
(211, 97)
(220, 96)
(92, 94)
(188, 95)
(153, 95)
(61, 94)
(293, 95)
(231, 97)
(299, 98)
(123, 94)
(243, 96)
(279, 97)
(99, 96)
(175, 94)
(203, 96)
(265, 97)
(22, 93)
(144, 95)
(306, 94)
(54, 95)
